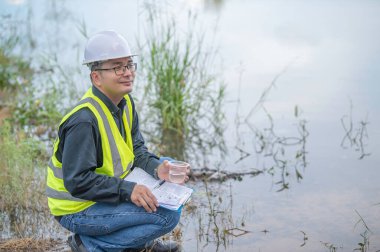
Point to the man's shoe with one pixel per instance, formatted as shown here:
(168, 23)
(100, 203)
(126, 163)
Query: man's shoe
(159, 245)
(76, 244)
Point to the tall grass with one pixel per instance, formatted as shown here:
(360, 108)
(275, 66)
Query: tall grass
(32, 96)
(22, 162)
(20, 155)
(183, 97)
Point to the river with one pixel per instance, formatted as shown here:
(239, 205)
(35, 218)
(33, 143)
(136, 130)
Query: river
(315, 66)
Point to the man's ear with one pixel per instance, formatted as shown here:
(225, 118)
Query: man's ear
(95, 77)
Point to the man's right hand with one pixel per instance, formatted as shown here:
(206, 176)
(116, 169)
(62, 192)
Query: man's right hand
(142, 196)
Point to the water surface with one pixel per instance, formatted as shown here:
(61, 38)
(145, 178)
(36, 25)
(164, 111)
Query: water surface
(324, 55)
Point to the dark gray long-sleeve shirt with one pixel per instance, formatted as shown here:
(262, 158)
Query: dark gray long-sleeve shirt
(80, 151)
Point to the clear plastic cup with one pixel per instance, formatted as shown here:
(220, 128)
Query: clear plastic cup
(177, 171)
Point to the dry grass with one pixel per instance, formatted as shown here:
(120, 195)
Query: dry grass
(29, 244)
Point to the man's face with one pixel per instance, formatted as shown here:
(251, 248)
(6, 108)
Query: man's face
(115, 80)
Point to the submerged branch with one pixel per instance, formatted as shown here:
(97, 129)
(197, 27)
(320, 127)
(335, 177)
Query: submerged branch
(217, 175)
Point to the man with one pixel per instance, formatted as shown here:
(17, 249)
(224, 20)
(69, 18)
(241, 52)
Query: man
(98, 143)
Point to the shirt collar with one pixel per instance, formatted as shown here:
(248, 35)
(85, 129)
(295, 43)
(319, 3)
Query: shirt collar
(107, 101)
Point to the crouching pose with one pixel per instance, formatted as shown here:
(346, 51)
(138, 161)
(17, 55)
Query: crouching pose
(98, 144)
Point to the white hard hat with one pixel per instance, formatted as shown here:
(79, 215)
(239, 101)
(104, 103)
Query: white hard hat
(106, 45)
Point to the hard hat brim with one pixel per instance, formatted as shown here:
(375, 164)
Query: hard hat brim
(96, 60)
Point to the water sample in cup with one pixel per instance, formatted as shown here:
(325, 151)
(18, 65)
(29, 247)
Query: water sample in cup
(177, 171)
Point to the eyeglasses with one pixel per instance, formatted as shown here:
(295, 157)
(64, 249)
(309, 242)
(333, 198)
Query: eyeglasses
(120, 70)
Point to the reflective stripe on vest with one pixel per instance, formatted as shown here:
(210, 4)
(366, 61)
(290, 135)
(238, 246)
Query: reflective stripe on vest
(61, 195)
(128, 116)
(116, 159)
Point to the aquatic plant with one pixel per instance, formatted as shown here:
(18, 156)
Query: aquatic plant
(363, 246)
(182, 99)
(355, 137)
(217, 225)
(281, 154)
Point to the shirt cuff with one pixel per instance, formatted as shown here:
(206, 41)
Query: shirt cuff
(152, 166)
(126, 190)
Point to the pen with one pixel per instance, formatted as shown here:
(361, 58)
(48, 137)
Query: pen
(159, 184)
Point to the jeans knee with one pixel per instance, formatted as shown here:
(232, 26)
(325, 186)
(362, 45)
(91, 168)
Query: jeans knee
(172, 220)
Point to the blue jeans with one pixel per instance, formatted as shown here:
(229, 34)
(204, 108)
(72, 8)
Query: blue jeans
(115, 227)
(110, 227)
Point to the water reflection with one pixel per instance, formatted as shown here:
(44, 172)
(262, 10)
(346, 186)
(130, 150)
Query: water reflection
(215, 222)
(305, 238)
(364, 245)
(286, 154)
(214, 4)
(16, 2)
(330, 247)
(28, 223)
(356, 135)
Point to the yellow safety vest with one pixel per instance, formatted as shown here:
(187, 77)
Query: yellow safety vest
(117, 155)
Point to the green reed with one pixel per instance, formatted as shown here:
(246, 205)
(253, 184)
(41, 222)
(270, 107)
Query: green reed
(182, 97)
